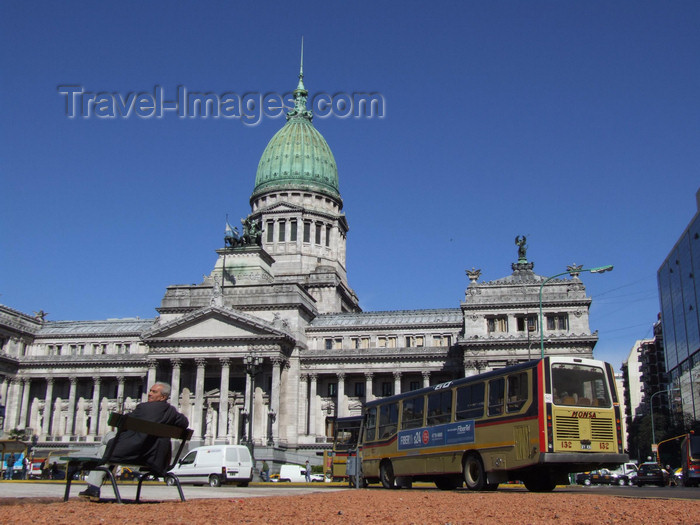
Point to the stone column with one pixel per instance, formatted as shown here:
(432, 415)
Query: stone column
(472, 367)
(120, 393)
(275, 397)
(95, 415)
(313, 410)
(12, 408)
(302, 419)
(340, 404)
(71, 408)
(175, 382)
(426, 379)
(368, 386)
(3, 390)
(249, 392)
(223, 397)
(48, 407)
(26, 383)
(152, 364)
(397, 382)
(198, 399)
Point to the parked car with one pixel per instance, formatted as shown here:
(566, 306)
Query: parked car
(583, 478)
(602, 477)
(215, 465)
(608, 477)
(297, 473)
(629, 470)
(651, 474)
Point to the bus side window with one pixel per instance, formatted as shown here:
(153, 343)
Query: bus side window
(440, 407)
(371, 428)
(388, 419)
(470, 402)
(412, 414)
(496, 396)
(518, 389)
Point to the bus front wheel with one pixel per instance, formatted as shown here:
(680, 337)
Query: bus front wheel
(386, 473)
(474, 473)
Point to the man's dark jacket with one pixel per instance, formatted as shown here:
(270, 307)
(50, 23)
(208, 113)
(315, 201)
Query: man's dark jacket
(142, 448)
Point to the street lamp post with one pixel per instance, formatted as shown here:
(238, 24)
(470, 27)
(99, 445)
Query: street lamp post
(252, 366)
(573, 271)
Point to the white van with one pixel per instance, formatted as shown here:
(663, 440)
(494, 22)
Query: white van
(215, 465)
(296, 474)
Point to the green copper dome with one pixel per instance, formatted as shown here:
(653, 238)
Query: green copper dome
(297, 157)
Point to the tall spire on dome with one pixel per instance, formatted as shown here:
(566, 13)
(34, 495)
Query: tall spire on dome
(300, 86)
(300, 93)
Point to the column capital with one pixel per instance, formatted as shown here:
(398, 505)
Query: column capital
(176, 362)
(225, 361)
(200, 361)
(152, 363)
(426, 374)
(397, 374)
(120, 380)
(96, 380)
(340, 376)
(50, 380)
(369, 375)
(73, 380)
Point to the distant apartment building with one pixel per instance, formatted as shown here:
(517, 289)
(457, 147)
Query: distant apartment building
(632, 382)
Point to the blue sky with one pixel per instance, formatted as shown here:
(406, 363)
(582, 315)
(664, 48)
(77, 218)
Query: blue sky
(573, 123)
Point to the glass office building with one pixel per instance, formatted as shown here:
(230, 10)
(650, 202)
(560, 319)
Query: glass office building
(679, 293)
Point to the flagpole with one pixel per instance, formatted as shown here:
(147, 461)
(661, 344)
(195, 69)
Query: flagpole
(223, 270)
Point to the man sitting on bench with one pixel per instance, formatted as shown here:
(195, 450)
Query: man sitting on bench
(137, 447)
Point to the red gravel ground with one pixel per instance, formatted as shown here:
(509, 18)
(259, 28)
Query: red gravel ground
(365, 506)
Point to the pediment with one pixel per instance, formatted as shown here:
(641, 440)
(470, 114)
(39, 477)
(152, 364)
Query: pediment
(215, 323)
(281, 207)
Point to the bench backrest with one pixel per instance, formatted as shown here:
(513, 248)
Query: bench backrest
(127, 422)
(124, 422)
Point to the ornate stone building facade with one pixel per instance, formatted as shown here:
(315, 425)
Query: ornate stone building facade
(272, 344)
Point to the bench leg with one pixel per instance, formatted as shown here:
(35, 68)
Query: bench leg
(179, 489)
(138, 488)
(70, 472)
(108, 471)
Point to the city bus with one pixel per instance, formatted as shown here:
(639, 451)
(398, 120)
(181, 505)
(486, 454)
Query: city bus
(345, 439)
(534, 422)
(690, 460)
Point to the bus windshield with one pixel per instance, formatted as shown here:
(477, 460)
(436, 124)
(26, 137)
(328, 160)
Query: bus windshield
(579, 385)
(694, 451)
(347, 433)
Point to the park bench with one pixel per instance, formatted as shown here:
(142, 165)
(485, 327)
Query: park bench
(123, 422)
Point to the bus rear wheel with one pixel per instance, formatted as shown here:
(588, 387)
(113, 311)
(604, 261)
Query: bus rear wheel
(474, 473)
(386, 474)
(543, 483)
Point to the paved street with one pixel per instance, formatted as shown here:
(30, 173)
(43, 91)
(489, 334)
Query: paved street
(158, 491)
